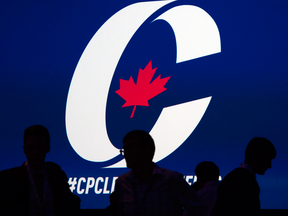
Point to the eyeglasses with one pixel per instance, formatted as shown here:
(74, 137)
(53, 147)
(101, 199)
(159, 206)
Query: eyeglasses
(130, 148)
(122, 151)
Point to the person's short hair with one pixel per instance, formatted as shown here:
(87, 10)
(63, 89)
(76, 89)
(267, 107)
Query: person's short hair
(36, 130)
(259, 145)
(207, 171)
(142, 137)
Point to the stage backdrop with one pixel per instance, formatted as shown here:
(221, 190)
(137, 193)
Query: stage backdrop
(203, 77)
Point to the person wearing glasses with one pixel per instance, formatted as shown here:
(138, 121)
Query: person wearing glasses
(148, 189)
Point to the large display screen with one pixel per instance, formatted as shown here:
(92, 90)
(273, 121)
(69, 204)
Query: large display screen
(202, 77)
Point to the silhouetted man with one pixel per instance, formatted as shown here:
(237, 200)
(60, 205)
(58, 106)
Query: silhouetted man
(238, 193)
(148, 189)
(207, 181)
(37, 187)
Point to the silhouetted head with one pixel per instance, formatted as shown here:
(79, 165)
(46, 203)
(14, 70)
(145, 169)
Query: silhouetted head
(206, 171)
(138, 148)
(36, 144)
(259, 153)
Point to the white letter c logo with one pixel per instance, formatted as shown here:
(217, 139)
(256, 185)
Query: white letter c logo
(196, 36)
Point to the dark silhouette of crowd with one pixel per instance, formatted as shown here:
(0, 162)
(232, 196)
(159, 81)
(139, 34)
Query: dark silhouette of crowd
(40, 188)
(151, 190)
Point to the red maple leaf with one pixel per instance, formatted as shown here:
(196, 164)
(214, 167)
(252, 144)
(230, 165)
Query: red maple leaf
(143, 90)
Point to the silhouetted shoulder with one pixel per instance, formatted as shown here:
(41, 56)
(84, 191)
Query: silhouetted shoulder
(240, 179)
(166, 173)
(172, 176)
(239, 170)
(13, 185)
(15, 173)
(125, 176)
(9, 172)
(238, 194)
(238, 174)
(66, 203)
(170, 173)
(52, 167)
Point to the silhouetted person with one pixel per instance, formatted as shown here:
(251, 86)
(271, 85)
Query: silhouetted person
(195, 186)
(238, 193)
(207, 181)
(148, 189)
(37, 187)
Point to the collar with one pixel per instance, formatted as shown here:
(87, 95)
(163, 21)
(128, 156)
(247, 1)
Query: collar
(246, 166)
(156, 171)
(34, 171)
(212, 183)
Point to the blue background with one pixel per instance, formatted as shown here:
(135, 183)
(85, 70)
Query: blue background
(41, 43)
